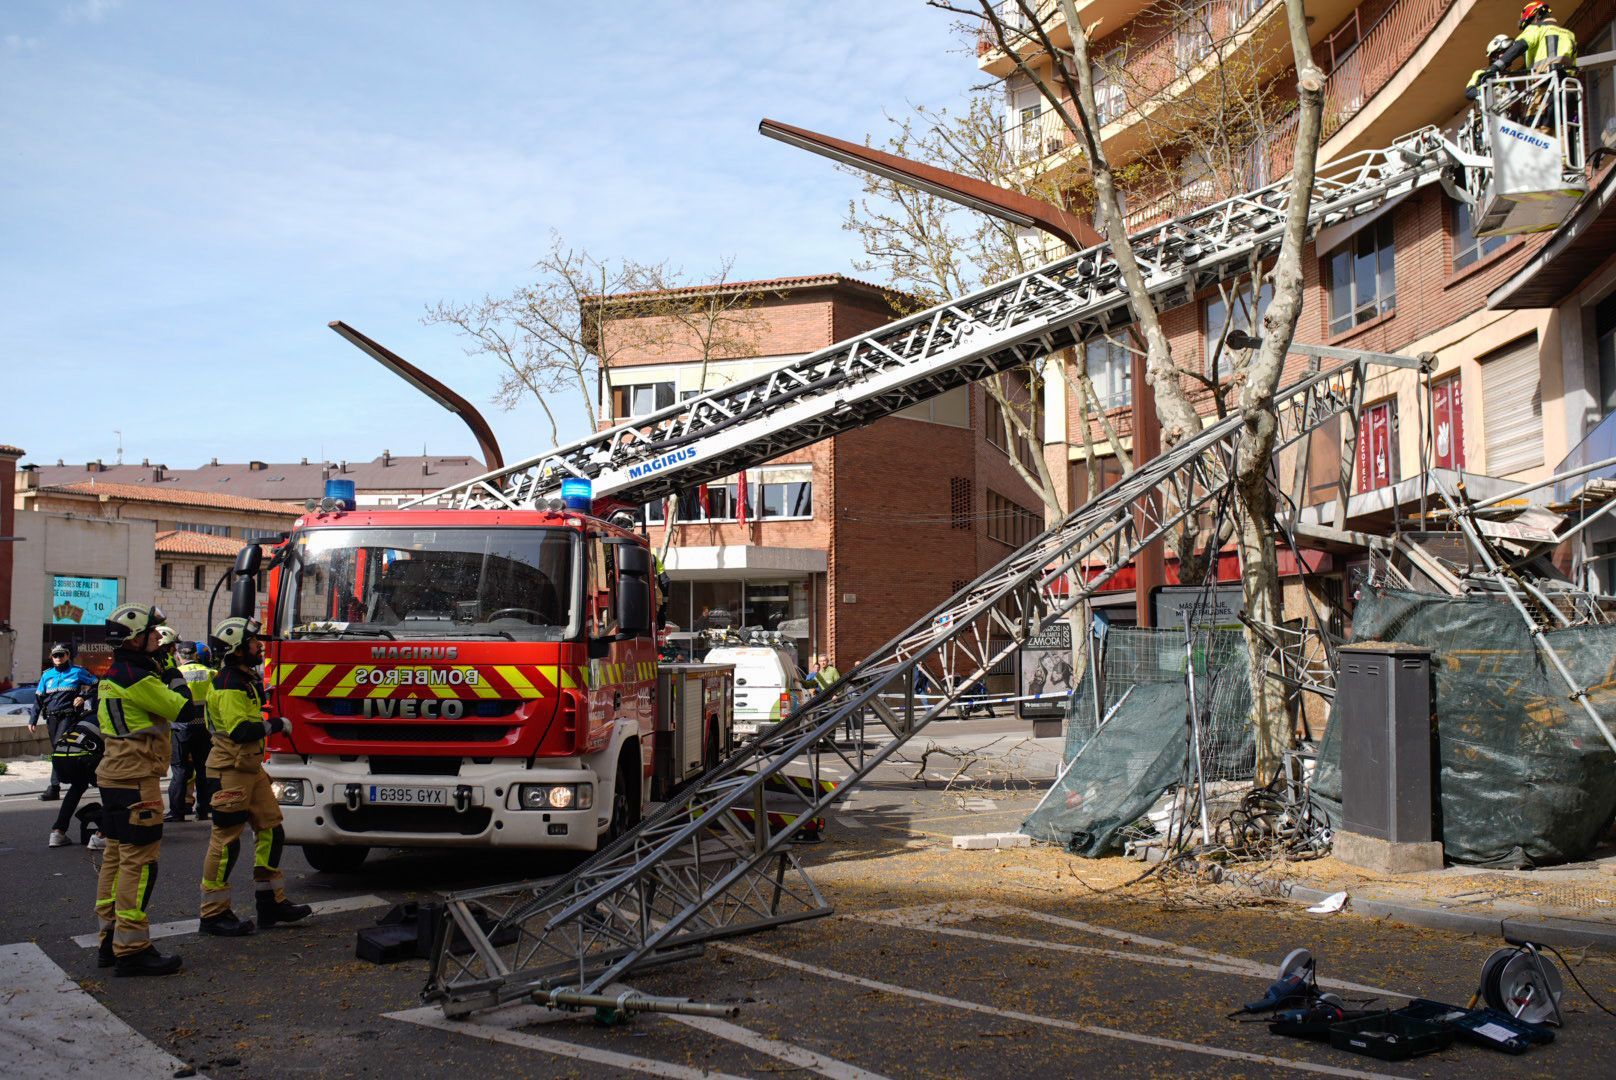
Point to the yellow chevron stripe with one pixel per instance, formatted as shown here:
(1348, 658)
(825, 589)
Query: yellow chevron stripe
(565, 680)
(511, 674)
(313, 679)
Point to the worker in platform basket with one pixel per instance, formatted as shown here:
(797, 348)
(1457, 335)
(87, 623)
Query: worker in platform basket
(135, 711)
(240, 789)
(1495, 48)
(1543, 42)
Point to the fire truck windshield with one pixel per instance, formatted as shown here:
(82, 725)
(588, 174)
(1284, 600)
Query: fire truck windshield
(396, 583)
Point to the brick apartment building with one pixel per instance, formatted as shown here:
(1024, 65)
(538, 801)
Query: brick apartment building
(846, 542)
(1516, 387)
(383, 481)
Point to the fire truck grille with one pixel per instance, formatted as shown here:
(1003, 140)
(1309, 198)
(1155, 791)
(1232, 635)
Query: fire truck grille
(412, 819)
(455, 732)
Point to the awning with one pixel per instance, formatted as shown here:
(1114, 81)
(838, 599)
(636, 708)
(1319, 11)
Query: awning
(732, 562)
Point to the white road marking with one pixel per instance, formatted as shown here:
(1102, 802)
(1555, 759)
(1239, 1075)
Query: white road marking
(1264, 971)
(1059, 946)
(50, 1026)
(787, 1052)
(1048, 1021)
(191, 926)
(433, 1018)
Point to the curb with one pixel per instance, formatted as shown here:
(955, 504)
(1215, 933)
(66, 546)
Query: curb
(1545, 929)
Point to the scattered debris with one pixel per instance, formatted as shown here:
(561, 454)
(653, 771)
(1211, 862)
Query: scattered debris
(1330, 904)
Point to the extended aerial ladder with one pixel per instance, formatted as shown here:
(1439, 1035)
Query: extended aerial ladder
(691, 873)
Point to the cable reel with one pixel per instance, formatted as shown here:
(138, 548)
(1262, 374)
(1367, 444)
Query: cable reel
(1524, 983)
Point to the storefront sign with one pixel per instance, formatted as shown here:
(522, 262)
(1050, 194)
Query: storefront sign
(82, 601)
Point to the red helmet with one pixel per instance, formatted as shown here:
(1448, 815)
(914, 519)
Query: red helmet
(1535, 9)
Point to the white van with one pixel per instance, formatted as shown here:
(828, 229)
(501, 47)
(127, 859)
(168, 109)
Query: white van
(762, 674)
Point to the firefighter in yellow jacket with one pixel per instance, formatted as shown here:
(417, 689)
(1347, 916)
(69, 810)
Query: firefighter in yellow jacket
(240, 789)
(135, 710)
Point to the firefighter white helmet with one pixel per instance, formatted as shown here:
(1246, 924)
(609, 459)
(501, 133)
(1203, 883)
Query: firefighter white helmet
(1498, 44)
(167, 635)
(232, 634)
(131, 620)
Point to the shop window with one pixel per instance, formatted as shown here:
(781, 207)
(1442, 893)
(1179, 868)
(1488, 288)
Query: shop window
(1447, 422)
(1377, 446)
(1362, 276)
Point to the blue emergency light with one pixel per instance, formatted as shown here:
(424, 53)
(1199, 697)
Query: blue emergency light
(578, 494)
(341, 492)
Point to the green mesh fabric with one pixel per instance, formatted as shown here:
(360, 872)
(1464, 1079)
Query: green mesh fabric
(1116, 770)
(1525, 779)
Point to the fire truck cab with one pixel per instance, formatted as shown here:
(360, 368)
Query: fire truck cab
(463, 678)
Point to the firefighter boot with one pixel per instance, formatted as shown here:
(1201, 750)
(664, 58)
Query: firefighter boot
(103, 955)
(273, 911)
(147, 961)
(227, 925)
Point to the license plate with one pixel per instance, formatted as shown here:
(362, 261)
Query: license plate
(406, 795)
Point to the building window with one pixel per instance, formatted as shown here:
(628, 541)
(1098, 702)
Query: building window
(1377, 446)
(640, 399)
(1362, 276)
(199, 578)
(1447, 422)
(1512, 408)
(165, 576)
(773, 492)
(1110, 367)
(1219, 325)
(274, 534)
(1466, 247)
(206, 530)
(1001, 432)
(1010, 523)
(1107, 471)
(1605, 346)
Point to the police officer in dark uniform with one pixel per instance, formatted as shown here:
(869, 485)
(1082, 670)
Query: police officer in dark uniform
(59, 696)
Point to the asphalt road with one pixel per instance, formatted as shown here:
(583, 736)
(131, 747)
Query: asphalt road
(937, 963)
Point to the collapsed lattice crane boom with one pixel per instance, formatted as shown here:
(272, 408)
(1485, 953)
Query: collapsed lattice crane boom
(692, 872)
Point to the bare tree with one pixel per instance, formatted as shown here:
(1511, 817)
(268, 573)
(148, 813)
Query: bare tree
(1070, 91)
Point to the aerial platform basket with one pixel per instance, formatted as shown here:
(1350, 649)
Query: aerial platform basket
(1531, 127)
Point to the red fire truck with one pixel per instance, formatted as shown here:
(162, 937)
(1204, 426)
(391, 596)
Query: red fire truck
(469, 678)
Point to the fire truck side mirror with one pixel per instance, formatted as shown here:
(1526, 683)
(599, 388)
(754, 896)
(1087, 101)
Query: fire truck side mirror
(248, 560)
(633, 590)
(244, 598)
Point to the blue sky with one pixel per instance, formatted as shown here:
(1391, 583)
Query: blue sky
(190, 191)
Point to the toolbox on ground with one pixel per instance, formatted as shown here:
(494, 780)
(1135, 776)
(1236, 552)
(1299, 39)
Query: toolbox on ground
(1390, 1037)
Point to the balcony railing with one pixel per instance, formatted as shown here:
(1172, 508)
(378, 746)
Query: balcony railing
(1362, 70)
(1010, 13)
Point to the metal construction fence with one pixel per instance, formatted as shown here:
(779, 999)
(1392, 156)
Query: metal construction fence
(1133, 745)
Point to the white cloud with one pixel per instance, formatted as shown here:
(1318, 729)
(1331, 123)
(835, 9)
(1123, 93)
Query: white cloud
(90, 11)
(17, 43)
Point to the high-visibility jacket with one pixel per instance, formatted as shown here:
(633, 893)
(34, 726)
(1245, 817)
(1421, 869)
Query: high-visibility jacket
(1548, 42)
(134, 714)
(236, 721)
(198, 680)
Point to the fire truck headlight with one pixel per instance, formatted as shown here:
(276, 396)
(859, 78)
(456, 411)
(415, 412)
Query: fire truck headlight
(287, 792)
(557, 796)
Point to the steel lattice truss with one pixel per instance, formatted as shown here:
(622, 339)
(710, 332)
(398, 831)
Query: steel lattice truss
(959, 342)
(692, 872)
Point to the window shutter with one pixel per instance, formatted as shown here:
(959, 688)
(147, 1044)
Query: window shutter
(1512, 408)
